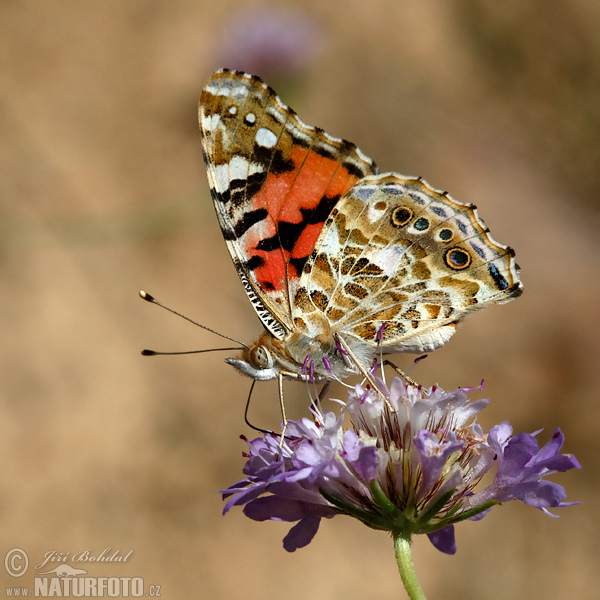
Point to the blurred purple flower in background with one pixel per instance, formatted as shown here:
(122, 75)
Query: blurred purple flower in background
(270, 43)
(410, 470)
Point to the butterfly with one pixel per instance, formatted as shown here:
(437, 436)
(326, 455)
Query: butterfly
(339, 262)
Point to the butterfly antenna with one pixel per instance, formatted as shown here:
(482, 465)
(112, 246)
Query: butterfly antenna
(155, 353)
(149, 298)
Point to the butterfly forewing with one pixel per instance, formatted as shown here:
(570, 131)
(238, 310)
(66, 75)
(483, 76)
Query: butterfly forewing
(274, 182)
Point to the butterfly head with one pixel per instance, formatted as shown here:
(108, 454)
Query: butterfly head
(257, 361)
(269, 357)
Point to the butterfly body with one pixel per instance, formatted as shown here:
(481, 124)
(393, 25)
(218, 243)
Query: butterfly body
(339, 262)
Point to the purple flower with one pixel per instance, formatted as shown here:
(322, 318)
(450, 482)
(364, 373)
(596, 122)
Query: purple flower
(271, 43)
(408, 461)
(522, 467)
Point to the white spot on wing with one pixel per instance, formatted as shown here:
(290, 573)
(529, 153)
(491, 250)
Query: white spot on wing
(388, 258)
(375, 214)
(237, 168)
(266, 138)
(209, 123)
(425, 342)
(215, 89)
(227, 87)
(221, 178)
(250, 118)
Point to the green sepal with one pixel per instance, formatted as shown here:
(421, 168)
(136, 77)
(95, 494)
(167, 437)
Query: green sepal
(434, 509)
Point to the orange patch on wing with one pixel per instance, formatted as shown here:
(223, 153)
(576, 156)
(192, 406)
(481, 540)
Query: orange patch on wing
(308, 187)
(314, 176)
(284, 195)
(306, 242)
(341, 182)
(273, 271)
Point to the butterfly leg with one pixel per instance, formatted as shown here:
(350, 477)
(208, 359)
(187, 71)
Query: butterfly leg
(247, 420)
(282, 406)
(324, 391)
(400, 372)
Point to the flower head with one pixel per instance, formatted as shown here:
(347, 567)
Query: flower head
(270, 43)
(401, 459)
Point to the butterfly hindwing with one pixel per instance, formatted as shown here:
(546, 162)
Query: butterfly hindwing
(397, 252)
(274, 181)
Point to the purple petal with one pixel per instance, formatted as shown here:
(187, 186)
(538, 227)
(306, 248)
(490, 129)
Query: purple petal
(293, 491)
(498, 436)
(301, 534)
(275, 508)
(443, 539)
(522, 467)
(243, 497)
(517, 454)
(523, 460)
(480, 515)
(366, 466)
(351, 446)
(434, 454)
(539, 494)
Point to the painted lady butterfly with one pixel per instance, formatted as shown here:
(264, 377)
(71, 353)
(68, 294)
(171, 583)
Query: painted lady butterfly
(338, 261)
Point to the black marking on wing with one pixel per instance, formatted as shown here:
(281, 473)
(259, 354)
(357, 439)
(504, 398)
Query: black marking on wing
(417, 198)
(393, 188)
(497, 277)
(274, 159)
(477, 249)
(286, 237)
(254, 262)
(246, 222)
(321, 212)
(298, 263)
(462, 227)
(288, 234)
(345, 148)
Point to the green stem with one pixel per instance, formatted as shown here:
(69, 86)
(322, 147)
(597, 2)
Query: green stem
(405, 566)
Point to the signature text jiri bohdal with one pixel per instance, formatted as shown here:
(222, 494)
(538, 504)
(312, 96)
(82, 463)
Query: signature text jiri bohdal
(87, 556)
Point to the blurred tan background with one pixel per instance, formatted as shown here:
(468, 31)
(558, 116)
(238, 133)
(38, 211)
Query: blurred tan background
(103, 192)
